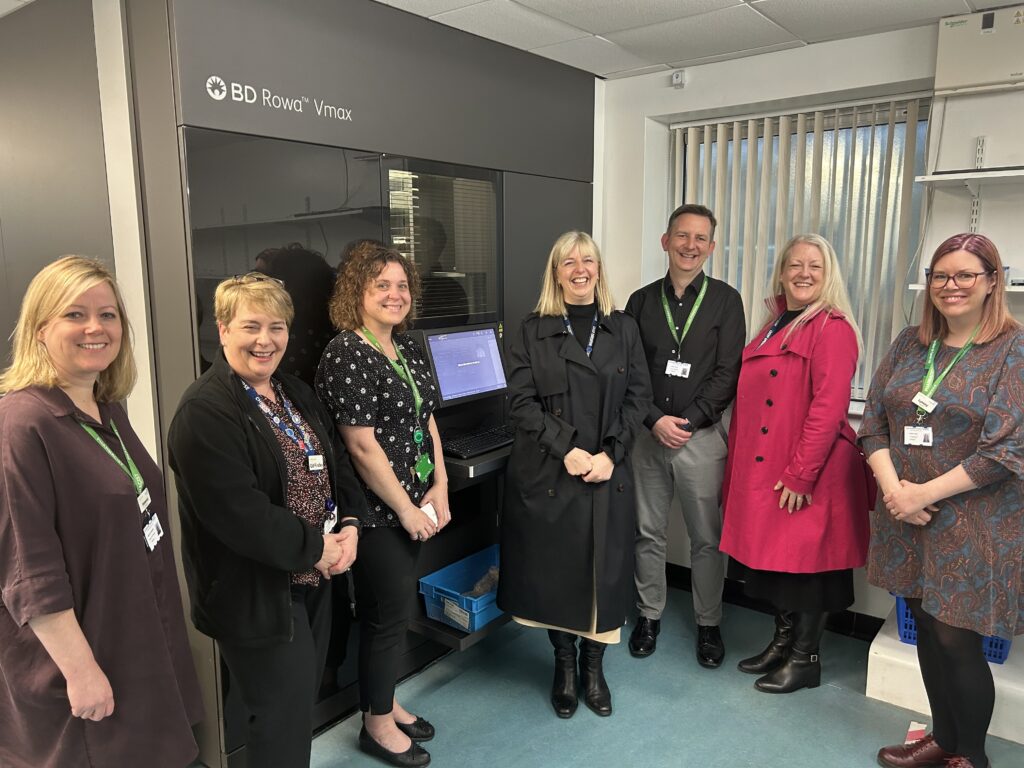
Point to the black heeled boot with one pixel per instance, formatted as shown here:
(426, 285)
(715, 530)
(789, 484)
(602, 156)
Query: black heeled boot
(563, 689)
(803, 668)
(777, 650)
(595, 688)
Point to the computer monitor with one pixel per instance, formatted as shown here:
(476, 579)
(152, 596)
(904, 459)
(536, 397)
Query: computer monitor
(466, 362)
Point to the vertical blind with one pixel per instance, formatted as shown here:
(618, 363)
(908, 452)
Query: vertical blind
(845, 172)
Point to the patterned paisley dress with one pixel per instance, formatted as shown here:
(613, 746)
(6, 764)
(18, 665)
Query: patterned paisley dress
(966, 564)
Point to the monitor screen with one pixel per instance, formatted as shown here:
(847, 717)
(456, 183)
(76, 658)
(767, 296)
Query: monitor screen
(466, 361)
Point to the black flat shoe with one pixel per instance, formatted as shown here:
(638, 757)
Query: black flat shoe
(420, 730)
(415, 755)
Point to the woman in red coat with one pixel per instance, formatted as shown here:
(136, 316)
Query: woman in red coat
(797, 490)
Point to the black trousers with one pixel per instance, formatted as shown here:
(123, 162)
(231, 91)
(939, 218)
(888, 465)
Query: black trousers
(958, 680)
(279, 683)
(385, 581)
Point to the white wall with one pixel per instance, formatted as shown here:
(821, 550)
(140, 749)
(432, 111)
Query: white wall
(632, 195)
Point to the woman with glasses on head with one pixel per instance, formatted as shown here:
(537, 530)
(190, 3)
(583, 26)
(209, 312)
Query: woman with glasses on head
(797, 491)
(270, 510)
(943, 431)
(379, 390)
(95, 667)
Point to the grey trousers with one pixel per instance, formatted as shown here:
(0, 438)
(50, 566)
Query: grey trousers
(693, 474)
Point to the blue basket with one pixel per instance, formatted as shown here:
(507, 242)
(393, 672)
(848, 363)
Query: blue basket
(442, 592)
(996, 648)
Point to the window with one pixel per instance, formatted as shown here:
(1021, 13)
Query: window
(846, 173)
(444, 218)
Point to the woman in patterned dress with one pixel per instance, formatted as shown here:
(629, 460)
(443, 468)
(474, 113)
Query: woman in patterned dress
(376, 383)
(943, 431)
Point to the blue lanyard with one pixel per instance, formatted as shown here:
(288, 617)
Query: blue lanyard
(593, 331)
(302, 439)
(773, 330)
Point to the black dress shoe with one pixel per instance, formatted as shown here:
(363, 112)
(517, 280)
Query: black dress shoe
(644, 640)
(419, 730)
(415, 755)
(710, 648)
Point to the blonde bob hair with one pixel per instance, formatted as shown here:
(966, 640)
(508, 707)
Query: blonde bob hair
(833, 290)
(552, 302)
(55, 288)
(256, 291)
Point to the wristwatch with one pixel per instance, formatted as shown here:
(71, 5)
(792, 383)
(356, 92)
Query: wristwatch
(354, 522)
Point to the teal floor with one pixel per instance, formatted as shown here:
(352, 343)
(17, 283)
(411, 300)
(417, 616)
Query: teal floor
(490, 707)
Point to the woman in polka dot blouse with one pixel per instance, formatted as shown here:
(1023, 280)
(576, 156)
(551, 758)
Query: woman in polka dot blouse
(375, 381)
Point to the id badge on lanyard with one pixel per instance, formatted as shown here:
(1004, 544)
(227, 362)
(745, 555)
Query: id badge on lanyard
(678, 369)
(917, 435)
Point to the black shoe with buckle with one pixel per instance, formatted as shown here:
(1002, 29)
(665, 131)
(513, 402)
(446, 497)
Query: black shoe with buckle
(644, 640)
(710, 648)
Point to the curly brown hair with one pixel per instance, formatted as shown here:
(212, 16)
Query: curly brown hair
(363, 266)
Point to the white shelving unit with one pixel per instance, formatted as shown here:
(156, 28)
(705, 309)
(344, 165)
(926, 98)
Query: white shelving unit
(973, 180)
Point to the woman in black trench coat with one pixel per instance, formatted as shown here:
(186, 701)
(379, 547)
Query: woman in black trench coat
(579, 388)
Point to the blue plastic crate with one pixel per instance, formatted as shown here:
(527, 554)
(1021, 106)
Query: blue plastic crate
(997, 649)
(442, 592)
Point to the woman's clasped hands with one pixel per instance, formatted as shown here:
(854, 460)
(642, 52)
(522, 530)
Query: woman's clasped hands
(339, 552)
(417, 523)
(592, 468)
(910, 503)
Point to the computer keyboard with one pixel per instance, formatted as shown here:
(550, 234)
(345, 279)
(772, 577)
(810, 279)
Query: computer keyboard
(476, 443)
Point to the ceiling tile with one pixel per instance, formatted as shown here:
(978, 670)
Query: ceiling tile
(428, 7)
(986, 5)
(710, 34)
(510, 23)
(601, 16)
(592, 54)
(737, 54)
(6, 6)
(814, 21)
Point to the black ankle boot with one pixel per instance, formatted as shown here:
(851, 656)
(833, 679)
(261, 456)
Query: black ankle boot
(595, 687)
(563, 689)
(803, 668)
(777, 650)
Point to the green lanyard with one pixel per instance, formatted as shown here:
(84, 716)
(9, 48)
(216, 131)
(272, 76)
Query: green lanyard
(131, 470)
(424, 466)
(689, 320)
(930, 383)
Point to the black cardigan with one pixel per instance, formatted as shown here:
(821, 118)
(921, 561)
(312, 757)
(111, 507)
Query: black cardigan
(239, 541)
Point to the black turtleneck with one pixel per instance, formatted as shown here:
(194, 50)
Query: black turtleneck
(581, 318)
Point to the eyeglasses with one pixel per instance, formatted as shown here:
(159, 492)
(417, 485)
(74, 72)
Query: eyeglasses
(960, 279)
(255, 277)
